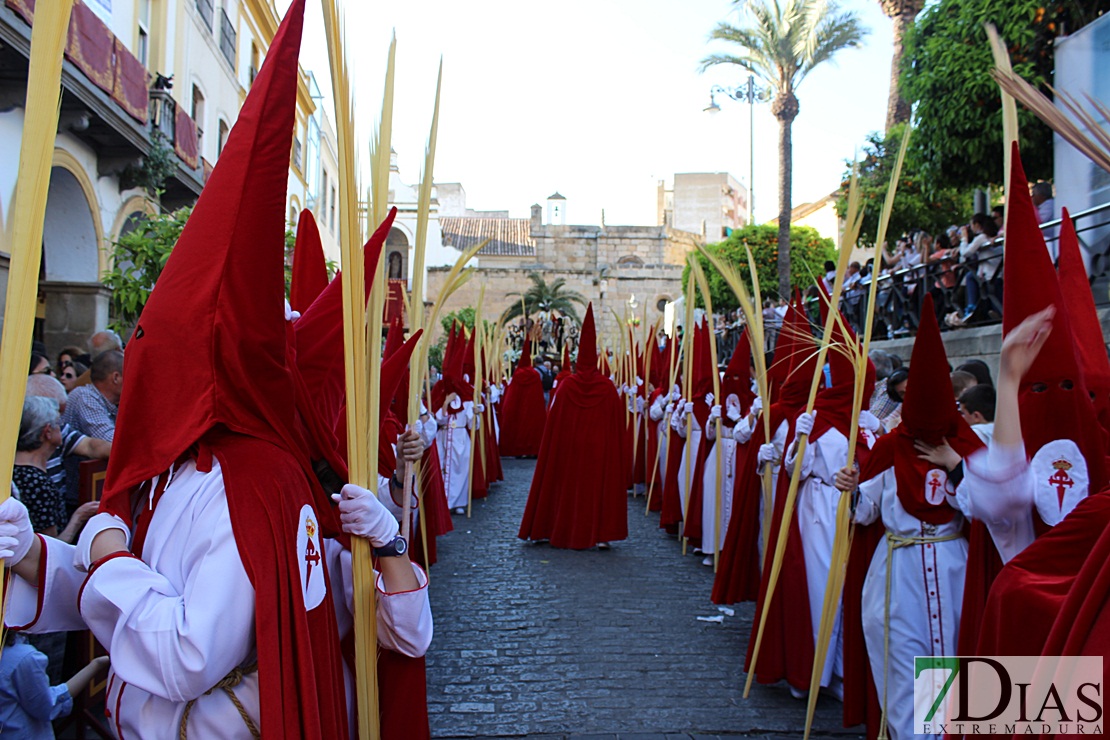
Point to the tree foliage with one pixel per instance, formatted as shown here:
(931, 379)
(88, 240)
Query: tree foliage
(946, 73)
(464, 317)
(137, 260)
(808, 248)
(541, 297)
(916, 205)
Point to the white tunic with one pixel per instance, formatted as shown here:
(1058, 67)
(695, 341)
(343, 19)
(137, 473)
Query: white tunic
(690, 456)
(724, 450)
(926, 594)
(180, 619)
(658, 414)
(454, 453)
(815, 508)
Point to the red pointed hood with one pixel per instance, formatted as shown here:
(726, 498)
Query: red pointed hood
(394, 338)
(1089, 342)
(525, 354)
(800, 359)
(738, 374)
(310, 269)
(703, 361)
(587, 344)
(216, 315)
(836, 401)
(1055, 405)
(469, 371)
(395, 369)
(779, 368)
(929, 410)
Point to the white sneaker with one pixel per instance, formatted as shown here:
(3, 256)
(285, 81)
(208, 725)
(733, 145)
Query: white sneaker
(604, 546)
(458, 510)
(708, 561)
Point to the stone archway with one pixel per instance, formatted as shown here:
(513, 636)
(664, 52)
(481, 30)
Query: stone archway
(72, 302)
(397, 255)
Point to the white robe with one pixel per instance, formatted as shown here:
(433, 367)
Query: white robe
(724, 450)
(926, 588)
(661, 429)
(180, 619)
(689, 455)
(815, 508)
(779, 441)
(453, 439)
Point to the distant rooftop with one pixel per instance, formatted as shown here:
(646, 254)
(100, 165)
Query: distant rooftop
(556, 196)
(509, 237)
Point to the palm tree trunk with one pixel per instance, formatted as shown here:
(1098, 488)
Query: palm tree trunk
(785, 108)
(902, 14)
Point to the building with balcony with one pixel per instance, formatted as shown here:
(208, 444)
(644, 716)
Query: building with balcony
(142, 80)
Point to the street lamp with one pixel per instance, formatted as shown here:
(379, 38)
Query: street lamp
(748, 93)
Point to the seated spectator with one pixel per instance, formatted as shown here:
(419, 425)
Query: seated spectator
(1045, 203)
(75, 446)
(92, 408)
(28, 703)
(979, 369)
(40, 434)
(961, 381)
(886, 401)
(71, 371)
(40, 365)
(998, 213)
(981, 252)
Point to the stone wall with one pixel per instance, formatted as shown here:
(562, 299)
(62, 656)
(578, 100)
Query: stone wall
(982, 343)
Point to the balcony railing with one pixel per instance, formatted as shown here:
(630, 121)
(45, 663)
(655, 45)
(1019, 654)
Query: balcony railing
(207, 12)
(227, 38)
(900, 293)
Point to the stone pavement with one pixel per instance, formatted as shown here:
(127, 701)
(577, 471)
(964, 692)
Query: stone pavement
(534, 641)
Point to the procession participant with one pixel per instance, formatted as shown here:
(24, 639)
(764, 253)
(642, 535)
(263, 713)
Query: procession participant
(656, 428)
(577, 499)
(222, 577)
(310, 269)
(670, 514)
(564, 372)
(740, 564)
(454, 416)
(1019, 497)
(492, 434)
(523, 409)
(911, 596)
(738, 396)
(691, 473)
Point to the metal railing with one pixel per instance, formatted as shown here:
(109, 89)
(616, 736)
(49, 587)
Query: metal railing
(900, 292)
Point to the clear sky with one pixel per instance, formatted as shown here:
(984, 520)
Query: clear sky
(597, 99)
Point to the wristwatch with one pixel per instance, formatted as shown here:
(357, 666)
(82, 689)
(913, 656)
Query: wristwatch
(395, 548)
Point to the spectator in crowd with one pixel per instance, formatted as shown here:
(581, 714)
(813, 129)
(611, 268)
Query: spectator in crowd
(92, 408)
(71, 354)
(886, 401)
(40, 365)
(1043, 200)
(998, 213)
(977, 408)
(978, 251)
(99, 343)
(74, 447)
(28, 703)
(830, 275)
(961, 381)
(70, 373)
(883, 362)
(433, 375)
(979, 369)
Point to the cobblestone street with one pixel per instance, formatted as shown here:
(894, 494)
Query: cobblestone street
(533, 641)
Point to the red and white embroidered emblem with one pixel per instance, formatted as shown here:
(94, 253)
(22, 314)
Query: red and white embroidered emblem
(310, 559)
(935, 482)
(1060, 479)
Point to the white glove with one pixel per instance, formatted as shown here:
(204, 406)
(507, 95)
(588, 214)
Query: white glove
(468, 407)
(362, 514)
(16, 536)
(869, 421)
(732, 409)
(676, 392)
(479, 408)
(709, 399)
(639, 405)
(714, 412)
(688, 408)
(757, 406)
(766, 454)
(677, 423)
(102, 522)
(804, 424)
(669, 409)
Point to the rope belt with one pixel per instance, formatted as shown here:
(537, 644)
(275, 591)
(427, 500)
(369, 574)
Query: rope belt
(226, 684)
(896, 542)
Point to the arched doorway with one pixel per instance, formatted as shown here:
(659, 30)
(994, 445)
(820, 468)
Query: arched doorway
(397, 255)
(72, 303)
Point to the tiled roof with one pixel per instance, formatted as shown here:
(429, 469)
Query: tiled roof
(509, 237)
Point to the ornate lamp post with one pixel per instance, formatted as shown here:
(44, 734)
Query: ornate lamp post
(749, 93)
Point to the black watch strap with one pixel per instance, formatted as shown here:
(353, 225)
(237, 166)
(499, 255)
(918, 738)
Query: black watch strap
(395, 548)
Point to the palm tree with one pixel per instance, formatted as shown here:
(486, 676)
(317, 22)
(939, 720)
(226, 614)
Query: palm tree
(902, 14)
(542, 298)
(784, 41)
